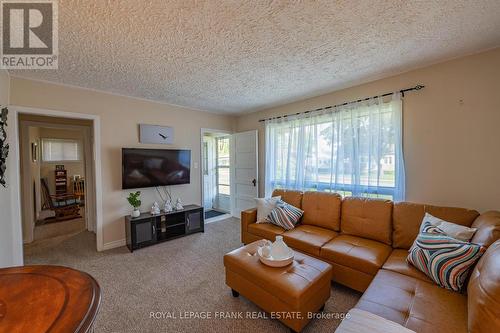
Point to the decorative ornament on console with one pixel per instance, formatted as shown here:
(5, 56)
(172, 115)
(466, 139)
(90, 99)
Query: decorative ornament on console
(155, 209)
(168, 206)
(178, 204)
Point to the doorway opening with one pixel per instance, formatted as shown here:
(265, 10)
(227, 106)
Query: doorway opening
(216, 175)
(57, 180)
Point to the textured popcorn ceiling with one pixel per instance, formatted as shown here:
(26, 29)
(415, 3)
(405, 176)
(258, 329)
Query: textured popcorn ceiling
(230, 56)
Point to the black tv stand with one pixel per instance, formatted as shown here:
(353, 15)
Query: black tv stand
(148, 229)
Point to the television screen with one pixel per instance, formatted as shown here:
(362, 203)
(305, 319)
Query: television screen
(155, 167)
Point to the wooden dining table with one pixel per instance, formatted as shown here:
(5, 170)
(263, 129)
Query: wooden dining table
(47, 299)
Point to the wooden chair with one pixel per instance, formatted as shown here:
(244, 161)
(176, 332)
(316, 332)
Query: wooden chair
(65, 206)
(79, 190)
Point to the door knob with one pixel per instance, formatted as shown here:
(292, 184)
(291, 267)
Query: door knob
(254, 182)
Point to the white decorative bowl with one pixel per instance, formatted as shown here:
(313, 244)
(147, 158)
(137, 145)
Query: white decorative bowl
(270, 261)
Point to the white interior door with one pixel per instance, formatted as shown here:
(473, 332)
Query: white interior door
(244, 171)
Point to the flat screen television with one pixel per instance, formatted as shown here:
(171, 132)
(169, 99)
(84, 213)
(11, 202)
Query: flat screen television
(155, 167)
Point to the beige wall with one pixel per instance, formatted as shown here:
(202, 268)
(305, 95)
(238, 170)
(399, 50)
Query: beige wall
(120, 117)
(451, 135)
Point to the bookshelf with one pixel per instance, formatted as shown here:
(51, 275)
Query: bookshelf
(61, 181)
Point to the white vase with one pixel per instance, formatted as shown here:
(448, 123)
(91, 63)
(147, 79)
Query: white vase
(136, 212)
(279, 250)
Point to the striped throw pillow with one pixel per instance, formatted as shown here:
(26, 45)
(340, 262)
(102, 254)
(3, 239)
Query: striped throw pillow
(285, 215)
(446, 260)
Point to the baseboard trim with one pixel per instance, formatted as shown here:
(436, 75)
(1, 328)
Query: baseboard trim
(218, 218)
(114, 244)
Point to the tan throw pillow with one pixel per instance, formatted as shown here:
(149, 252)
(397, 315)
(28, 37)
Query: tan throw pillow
(454, 230)
(264, 207)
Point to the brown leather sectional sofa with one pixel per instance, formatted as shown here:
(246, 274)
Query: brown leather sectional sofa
(367, 241)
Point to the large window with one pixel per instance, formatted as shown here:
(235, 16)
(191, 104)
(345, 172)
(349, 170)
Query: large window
(60, 150)
(223, 180)
(353, 150)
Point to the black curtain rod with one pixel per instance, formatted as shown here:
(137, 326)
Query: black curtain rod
(402, 91)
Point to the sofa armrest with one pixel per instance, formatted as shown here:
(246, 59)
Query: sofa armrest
(248, 216)
(488, 228)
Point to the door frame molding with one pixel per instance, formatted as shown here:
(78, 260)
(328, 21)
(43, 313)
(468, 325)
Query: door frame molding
(202, 132)
(15, 143)
(26, 195)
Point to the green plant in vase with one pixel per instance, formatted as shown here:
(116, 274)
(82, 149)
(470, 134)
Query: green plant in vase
(134, 200)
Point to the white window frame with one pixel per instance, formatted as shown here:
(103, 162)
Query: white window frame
(217, 166)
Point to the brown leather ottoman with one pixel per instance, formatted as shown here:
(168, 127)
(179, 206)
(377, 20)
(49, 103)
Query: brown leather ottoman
(287, 293)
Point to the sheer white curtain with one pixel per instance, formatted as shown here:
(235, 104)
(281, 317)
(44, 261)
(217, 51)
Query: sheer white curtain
(354, 149)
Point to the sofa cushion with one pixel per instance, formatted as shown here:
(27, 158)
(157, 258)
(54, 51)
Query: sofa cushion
(484, 292)
(292, 197)
(418, 305)
(407, 218)
(322, 209)
(308, 238)
(488, 228)
(359, 321)
(367, 218)
(265, 230)
(350, 277)
(361, 254)
(397, 263)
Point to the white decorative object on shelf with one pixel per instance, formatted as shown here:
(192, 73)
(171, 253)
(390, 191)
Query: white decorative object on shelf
(155, 209)
(168, 206)
(136, 212)
(277, 254)
(178, 204)
(156, 134)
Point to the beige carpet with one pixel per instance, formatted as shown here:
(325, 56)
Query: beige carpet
(182, 275)
(50, 230)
